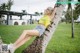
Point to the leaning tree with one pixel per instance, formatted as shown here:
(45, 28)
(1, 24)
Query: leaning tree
(40, 43)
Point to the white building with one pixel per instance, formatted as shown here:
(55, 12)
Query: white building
(13, 21)
(78, 20)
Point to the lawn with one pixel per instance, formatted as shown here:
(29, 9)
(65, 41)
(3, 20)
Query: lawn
(61, 41)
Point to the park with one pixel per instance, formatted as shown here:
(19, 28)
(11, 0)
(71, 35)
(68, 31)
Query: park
(62, 36)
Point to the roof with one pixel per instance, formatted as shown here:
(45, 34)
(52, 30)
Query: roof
(15, 13)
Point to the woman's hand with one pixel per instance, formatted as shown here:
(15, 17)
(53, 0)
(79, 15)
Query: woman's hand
(53, 13)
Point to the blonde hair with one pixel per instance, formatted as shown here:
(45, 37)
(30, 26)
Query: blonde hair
(50, 9)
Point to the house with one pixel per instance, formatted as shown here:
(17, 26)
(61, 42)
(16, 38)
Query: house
(78, 20)
(8, 18)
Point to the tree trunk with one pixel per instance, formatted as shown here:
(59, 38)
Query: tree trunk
(40, 43)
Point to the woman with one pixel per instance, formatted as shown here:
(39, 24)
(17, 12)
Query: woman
(38, 31)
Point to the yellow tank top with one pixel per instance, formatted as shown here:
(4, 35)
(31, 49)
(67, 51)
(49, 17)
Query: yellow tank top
(45, 20)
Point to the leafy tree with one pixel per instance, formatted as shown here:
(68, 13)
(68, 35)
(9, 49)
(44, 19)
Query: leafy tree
(76, 12)
(68, 14)
(3, 7)
(9, 4)
(41, 13)
(37, 13)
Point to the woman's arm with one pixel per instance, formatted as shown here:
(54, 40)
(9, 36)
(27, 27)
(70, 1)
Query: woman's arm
(53, 13)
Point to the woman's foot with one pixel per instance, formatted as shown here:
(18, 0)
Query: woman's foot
(4, 47)
(8, 47)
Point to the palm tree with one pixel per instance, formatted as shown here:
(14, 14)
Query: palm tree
(68, 17)
(3, 7)
(9, 4)
(37, 13)
(73, 12)
(77, 9)
(76, 12)
(40, 43)
(41, 13)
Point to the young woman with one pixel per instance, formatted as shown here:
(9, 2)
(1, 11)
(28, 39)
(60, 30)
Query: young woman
(38, 31)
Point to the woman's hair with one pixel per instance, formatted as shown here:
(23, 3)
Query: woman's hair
(50, 9)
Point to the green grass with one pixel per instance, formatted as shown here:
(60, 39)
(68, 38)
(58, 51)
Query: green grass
(9, 34)
(61, 41)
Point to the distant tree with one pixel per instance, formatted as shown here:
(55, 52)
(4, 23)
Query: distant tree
(24, 11)
(6, 6)
(68, 14)
(9, 4)
(37, 13)
(41, 13)
(76, 12)
(3, 7)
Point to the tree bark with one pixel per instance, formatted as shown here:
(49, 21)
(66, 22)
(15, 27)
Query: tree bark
(40, 43)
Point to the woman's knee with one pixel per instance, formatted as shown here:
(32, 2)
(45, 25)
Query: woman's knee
(25, 31)
(31, 32)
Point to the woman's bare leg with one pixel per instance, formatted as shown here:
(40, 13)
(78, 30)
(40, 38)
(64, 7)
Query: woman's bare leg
(25, 36)
(22, 36)
(22, 42)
